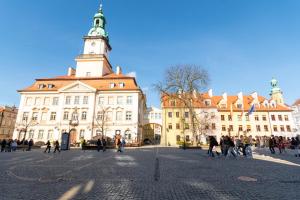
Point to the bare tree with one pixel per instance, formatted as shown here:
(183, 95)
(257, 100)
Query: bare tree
(184, 83)
(101, 120)
(24, 126)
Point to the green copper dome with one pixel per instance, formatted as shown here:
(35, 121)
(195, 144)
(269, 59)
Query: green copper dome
(98, 28)
(275, 87)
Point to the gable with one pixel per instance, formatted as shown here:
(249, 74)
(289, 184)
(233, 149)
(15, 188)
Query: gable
(77, 87)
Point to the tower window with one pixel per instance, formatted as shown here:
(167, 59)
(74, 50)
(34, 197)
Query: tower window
(97, 22)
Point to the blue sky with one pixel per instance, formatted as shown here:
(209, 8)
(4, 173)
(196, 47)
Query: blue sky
(243, 44)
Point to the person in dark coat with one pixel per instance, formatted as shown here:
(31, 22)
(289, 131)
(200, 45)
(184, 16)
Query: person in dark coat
(99, 145)
(30, 144)
(56, 147)
(48, 147)
(3, 144)
(212, 143)
(103, 144)
(272, 144)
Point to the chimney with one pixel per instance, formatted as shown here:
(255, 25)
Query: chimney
(118, 70)
(254, 95)
(71, 71)
(210, 93)
(194, 93)
(225, 96)
(240, 95)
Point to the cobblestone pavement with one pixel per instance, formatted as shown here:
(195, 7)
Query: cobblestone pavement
(149, 173)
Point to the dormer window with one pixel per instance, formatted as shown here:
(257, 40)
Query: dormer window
(112, 85)
(50, 86)
(121, 85)
(207, 102)
(239, 106)
(266, 104)
(88, 74)
(41, 86)
(223, 105)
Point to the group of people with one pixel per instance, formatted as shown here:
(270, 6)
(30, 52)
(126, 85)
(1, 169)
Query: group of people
(101, 144)
(12, 145)
(56, 146)
(242, 145)
(120, 144)
(230, 146)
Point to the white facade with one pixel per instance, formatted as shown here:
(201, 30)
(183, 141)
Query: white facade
(153, 115)
(75, 102)
(296, 116)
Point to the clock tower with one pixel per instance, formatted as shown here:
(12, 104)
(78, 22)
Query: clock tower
(94, 60)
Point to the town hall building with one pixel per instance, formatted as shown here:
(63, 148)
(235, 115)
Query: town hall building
(91, 101)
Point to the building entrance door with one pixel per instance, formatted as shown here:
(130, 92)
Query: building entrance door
(73, 136)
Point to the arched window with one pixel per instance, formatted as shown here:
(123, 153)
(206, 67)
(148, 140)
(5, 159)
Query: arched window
(97, 22)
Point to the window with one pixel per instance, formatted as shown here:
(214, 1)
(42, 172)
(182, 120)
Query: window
(156, 115)
(177, 138)
(128, 115)
(37, 101)
(119, 100)
(286, 117)
(207, 102)
(288, 128)
(55, 101)
(258, 128)
(229, 118)
(273, 117)
(83, 115)
(109, 116)
(98, 132)
(46, 101)
(110, 100)
(186, 114)
(41, 86)
(223, 128)
(50, 86)
(31, 134)
(264, 118)
(81, 133)
(119, 116)
(170, 114)
(177, 114)
(74, 116)
(248, 128)
(159, 115)
(85, 100)
(186, 126)
(41, 134)
(88, 74)
(101, 101)
(111, 85)
(187, 138)
(222, 117)
(28, 101)
(170, 126)
(275, 128)
(129, 100)
(247, 118)
(256, 118)
(66, 115)
(172, 103)
(213, 126)
(121, 85)
(223, 105)
(99, 115)
(34, 116)
(76, 100)
(68, 100)
(177, 126)
(239, 106)
(50, 134)
(53, 116)
(97, 22)
(230, 127)
(152, 116)
(280, 117)
(239, 117)
(266, 128)
(240, 127)
(282, 128)
(25, 116)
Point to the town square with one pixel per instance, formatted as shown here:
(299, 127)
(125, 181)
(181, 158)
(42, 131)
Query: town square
(108, 99)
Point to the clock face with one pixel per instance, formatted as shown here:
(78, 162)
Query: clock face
(93, 44)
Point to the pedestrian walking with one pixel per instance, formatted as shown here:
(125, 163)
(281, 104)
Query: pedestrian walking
(48, 147)
(272, 144)
(118, 142)
(3, 145)
(14, 145)
(212, 143)
(103, 144)
(30, 144)
(123, 143)
(56, 147)
(99, 145)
